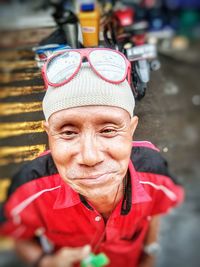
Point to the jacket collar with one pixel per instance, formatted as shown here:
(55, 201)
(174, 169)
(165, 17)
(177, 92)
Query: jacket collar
(139, 194)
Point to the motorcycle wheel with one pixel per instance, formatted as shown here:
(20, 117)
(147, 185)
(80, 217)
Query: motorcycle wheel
(140, 90)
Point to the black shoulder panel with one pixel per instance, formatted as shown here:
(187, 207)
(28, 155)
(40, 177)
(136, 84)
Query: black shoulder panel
(37, 168)
(2, 215)
(149, 160)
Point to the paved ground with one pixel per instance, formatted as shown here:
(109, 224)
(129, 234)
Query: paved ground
(169, 117)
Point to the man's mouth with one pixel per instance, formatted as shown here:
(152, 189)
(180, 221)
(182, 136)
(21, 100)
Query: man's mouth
(95, 179)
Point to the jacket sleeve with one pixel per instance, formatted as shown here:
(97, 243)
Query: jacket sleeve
(19, 215)
(11, 222)
(165, 193)
(14, 226)
(164, 189)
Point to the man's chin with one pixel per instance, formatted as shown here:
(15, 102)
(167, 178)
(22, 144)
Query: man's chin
(92, 190)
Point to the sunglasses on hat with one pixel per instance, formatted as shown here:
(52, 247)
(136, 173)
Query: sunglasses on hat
(110, 65)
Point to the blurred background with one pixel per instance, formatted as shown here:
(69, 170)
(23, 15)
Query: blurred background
(162, 41)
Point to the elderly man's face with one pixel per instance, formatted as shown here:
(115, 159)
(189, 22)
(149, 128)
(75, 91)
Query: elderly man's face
(91, 147)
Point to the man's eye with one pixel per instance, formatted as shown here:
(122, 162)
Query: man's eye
(109, 131)
(68, 133)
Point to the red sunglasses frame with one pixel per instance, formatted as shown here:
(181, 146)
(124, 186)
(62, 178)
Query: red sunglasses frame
(84, 53)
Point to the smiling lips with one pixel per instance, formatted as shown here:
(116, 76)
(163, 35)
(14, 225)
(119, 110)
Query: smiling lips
(95, 179)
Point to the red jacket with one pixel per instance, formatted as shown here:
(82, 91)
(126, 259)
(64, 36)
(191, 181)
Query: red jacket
(40, 202)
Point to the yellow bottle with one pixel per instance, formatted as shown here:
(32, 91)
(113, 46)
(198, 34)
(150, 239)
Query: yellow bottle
(89, 19)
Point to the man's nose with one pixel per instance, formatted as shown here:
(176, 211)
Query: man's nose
(90, 152)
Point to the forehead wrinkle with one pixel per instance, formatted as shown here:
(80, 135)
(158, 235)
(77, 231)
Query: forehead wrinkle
(99, 115)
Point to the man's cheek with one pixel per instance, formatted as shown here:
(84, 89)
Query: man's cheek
(121, 150)
(59, 154)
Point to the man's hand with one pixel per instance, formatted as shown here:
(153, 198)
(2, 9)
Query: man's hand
(151, 237)
(65, 257)
(30, 252)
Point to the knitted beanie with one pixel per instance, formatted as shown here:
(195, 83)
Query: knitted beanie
(88, 89)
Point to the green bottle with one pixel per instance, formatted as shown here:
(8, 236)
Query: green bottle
(93, 260)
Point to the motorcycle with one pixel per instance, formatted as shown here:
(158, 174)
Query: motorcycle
(124, 33)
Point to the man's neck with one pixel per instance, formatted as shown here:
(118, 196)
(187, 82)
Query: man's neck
(106, 204)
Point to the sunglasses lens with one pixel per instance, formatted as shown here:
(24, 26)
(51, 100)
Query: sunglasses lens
(62, 67)
(109, 64)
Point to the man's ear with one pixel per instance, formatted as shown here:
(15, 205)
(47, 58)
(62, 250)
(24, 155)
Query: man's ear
(46, 126)
(133, 125)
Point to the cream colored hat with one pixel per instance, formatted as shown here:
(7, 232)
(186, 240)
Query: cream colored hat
(88, 89)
